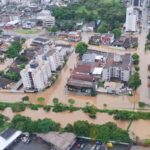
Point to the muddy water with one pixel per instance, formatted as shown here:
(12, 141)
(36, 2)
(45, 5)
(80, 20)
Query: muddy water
(137, 127)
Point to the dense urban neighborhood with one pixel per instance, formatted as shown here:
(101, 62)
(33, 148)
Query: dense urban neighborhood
(75, 74)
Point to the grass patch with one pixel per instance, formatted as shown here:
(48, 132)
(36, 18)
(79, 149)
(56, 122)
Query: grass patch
(27, 31)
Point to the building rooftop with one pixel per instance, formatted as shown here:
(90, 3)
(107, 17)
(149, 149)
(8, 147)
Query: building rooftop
(62, 141)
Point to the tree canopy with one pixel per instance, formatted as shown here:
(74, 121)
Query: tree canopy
(81, 48)
(14, 49)
(112, 12)
(134, 81)
(135, 59)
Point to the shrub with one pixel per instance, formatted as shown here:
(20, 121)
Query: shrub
(137, 68)
(18, 107)
(142, 104)
(3, 106)
(25, 98)
(41, 99)
(47, 108)
(34, 107)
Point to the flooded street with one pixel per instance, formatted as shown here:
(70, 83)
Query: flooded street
(140, 128)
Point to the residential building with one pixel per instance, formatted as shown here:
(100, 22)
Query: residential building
(36, 76)
(74, 36)
(54, 59)
(117, 67)
(40, 41)
(131, 20)
(126, 42)
(47, 18)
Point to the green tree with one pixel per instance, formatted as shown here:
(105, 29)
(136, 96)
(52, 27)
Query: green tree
(81, 48)
(25, 98)
(71, 102)
(1, 31)
(46, 125)
(134, 81)
(148, 36)
(14, 49)
(53, 29)
(82, 128)
(116, 32)
(103, 28)
(135, 59)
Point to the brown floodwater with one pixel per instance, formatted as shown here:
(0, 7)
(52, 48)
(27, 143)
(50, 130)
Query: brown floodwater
(140, 128)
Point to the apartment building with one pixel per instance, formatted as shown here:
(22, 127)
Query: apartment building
(36, 76)
(47, 18)
(54, 59)
(131, 20)
(117, 67)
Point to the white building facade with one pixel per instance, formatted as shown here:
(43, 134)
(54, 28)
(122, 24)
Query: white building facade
(131, 20)
(36, 76)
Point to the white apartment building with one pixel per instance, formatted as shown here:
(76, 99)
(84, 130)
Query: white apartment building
(54, 59)
(47, 18)
(36, 75)
(131, 20)
(117, 67)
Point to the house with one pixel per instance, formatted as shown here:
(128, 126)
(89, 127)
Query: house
(102, 39)
(126, 42)
(89, 27)
(74, 36)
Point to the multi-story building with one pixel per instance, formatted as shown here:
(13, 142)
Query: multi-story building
(131, 20)
(53, 57)
(117, 67)
(36, 76)
(47, 18)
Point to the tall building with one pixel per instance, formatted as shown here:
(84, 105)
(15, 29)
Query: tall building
(36, 75)
(117, 67)
(131, 20)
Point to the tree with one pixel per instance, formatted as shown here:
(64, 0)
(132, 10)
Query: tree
(148, 36)
(116, 32)
(71, 102)
(25, 98)
(134, 81)
(135, 59)
(55, 101)
(81, 48)
(14, 49)
(103, 28)
(53, 29)
(82, 128)
(1, 31)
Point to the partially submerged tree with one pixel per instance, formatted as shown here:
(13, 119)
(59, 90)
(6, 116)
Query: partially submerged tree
(134, 81)
(81, 48)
